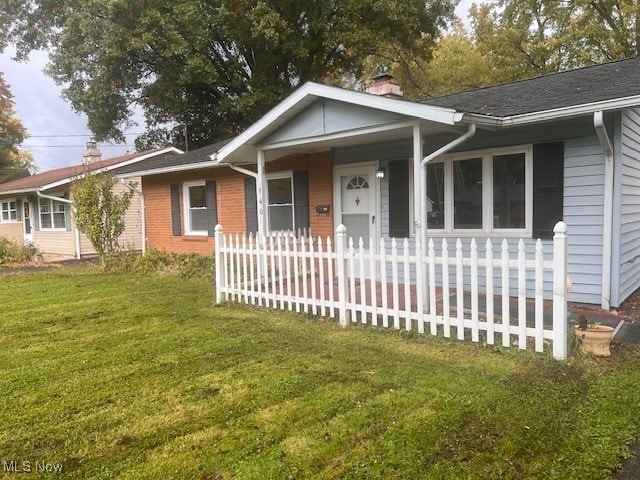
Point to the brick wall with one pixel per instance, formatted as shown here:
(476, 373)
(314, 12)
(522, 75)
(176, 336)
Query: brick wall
(230, 201)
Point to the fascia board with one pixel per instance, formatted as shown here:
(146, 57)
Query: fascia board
(177, 168)
(315, 90)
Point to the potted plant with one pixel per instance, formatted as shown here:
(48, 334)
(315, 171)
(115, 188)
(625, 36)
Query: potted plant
(593, 337)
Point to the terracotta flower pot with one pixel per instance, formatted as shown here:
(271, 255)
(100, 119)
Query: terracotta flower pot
(595, 339)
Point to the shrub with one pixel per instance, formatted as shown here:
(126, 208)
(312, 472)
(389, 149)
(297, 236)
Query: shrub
(185, 265)
(13, 252)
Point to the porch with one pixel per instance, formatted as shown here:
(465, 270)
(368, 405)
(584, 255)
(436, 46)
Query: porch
(448, 293)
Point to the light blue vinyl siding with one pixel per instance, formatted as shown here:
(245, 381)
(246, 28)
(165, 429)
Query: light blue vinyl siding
(629, 237)
(329, 116)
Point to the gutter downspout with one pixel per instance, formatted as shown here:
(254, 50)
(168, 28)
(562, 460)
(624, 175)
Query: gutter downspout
(423, 178)
(76, 231)
(244, 171)
(143, 211)
(607, 228)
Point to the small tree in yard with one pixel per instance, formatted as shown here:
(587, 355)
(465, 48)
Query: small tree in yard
(98, 212)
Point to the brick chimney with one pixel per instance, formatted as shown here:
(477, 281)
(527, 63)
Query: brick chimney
(91, 154)
(384, 85)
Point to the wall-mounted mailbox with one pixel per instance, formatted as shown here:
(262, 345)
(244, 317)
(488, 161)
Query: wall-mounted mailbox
(323, 208)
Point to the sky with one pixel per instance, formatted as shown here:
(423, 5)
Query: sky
(58, 135)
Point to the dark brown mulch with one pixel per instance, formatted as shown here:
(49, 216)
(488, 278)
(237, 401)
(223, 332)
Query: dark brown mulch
(630, 308)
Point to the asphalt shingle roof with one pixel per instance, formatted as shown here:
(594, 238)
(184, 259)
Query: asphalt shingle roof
(596, 83)
(39, 180)
(199, 155)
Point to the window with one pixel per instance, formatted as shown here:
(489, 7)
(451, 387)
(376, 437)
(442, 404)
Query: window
(52, 214)
(280, 204)
(8, 211)
(483, 191)
(196, 215)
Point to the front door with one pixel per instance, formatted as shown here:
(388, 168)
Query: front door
(356, 194)
(26, 212)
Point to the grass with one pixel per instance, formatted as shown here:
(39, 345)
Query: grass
(131, 376)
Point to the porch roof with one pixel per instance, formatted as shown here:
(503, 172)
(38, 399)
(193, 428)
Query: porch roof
(242, 149)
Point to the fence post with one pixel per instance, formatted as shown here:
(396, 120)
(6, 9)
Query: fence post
(219, 245)
(341, 271)
(560, 322)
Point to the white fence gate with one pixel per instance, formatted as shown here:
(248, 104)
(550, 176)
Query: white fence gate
(395, 285)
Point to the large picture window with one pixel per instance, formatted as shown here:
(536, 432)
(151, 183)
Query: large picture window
(281, 206)
(8, 211)
(195, 199)
(481, 192)
(52, 215)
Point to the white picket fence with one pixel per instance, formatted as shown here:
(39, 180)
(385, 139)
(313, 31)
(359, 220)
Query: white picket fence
(402, 287)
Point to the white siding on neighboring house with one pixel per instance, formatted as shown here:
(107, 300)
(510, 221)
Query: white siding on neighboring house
(55, 242)
(629, 244)
(12, 231)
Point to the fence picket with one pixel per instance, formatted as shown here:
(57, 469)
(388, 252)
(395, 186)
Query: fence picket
(383, 280)
(352, 281)
(281, 273)
(420, 285)
(475, 333)
(312, 272)
(305, 291)
(446, 307)
(321, 261)
(252, 277)
(238, 285)
(287, 254)
(394, 280)
(459, 291)
(296, 275)
(539, 305)
(272, 255)
(232, 270)
(406, 269)
(432, 289)
(489, 292)
(506, 316)
(363, 281)
(330, 275)
(522, 296)
(373, 282)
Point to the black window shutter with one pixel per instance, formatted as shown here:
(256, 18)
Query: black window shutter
(301, 199)
(176, 224)
(548, 187)
(19, 210)
(251, 204)
(36, 213)
(212, 211)
(67, 216)
(398, 198)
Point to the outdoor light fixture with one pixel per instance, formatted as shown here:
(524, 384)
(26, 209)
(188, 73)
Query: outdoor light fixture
(380, 173)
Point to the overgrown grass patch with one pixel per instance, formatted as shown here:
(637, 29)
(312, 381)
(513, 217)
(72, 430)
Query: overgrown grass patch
(138, 376)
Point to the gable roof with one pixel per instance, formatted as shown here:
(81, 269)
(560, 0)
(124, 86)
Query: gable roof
(241, 149)
(62, 176)
(199, 158)
(571, 88)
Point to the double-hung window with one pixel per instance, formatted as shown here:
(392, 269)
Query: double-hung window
(488, 192)
(8, 210)
(52, 214)
(195, 203)
(281, 202)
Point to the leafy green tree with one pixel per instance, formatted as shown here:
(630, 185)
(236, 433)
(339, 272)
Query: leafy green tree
(14, 161)
(213, 66)
(98, 212)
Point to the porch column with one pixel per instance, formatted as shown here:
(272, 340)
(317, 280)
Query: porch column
(261, 195)
(420, 212)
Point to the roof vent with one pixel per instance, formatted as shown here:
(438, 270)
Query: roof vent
(384, 85)
(91, 154)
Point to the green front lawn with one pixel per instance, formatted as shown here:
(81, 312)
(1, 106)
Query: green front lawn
(126, 376)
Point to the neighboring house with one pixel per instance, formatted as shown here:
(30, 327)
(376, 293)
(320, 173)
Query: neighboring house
(37, 209)
(501, 162)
